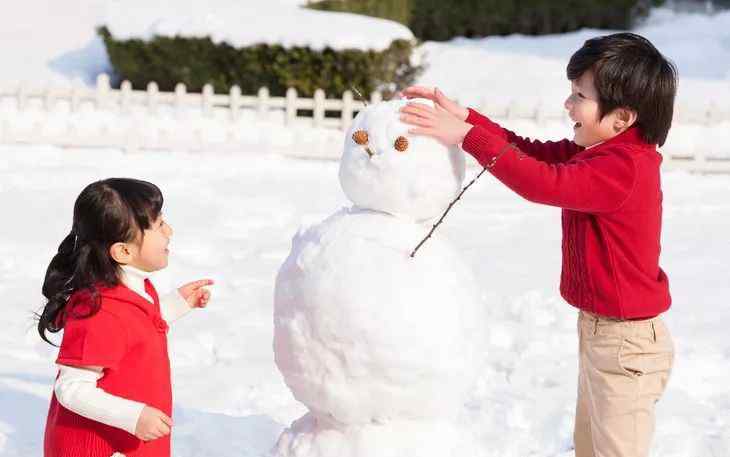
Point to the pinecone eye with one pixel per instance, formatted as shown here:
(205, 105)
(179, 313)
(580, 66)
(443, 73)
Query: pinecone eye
(360, 137)
(401, 144)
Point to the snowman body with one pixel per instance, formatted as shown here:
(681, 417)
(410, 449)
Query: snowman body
(379, 346)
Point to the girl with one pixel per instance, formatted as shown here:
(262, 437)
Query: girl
(112, 394)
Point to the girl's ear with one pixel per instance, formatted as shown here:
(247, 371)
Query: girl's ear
(121, 253)
(625, 118)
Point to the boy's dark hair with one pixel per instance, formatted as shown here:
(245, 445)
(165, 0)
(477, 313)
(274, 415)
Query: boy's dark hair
(629, 72)
(106, 212)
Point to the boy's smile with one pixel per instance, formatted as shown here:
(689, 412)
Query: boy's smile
(584, 110)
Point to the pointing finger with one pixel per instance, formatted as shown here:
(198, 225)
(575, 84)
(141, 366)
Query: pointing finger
(200, 283)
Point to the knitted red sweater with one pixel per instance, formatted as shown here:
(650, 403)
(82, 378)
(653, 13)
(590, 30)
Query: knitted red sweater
(127, 336)
(612, 212)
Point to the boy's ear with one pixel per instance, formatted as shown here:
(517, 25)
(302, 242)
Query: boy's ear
(625, 118)
(120, 252)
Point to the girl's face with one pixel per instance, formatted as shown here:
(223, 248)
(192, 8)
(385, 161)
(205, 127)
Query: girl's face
(582, 105)
(151, 254)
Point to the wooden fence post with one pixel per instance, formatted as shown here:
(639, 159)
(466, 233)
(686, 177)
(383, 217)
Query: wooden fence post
(180, 95)
(208, 100)
(291, 105)
(234, 101)
(49, 100)
(22, 97)
(318, 108)
(152, 94)
(103, 87)
(4, 131)
(347, 109)
(539, 114)
(125, 100)
(76, 100)
(263, 101)
(376, 97)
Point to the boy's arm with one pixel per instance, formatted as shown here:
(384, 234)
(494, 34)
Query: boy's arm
(76, 390)
(597, 184)
(549, 151)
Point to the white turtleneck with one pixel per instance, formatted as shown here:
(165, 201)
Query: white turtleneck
(76, 387)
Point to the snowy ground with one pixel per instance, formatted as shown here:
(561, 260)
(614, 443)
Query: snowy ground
(234, 216)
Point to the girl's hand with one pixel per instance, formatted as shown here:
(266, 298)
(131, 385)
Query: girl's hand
(438, 97)
(194, 294)
(152, 424)
(435, 122)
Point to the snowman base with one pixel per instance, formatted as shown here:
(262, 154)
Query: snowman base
(314, 436)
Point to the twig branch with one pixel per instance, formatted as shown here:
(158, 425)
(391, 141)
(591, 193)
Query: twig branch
(359, 95)
(447, 212)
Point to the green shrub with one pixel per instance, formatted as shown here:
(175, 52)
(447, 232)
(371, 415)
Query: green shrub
(395, 10)
(471, 18)
(446, 19)
(198, 61)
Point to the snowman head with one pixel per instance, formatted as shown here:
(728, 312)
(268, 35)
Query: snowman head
(384, 168)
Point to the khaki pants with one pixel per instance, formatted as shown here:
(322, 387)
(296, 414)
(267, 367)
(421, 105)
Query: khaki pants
(623, 370)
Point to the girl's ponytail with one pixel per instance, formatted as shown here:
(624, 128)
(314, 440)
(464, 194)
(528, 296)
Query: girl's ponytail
(57, 286)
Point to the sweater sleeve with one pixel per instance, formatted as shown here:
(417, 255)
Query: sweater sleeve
(77, 391)
(173, 306)
(548, 151)
(599, 183)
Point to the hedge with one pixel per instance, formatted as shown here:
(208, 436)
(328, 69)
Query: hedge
(199, 61)
(446, 19)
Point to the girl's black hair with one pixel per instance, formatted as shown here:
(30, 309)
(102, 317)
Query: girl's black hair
(629, 72)
(106, 212)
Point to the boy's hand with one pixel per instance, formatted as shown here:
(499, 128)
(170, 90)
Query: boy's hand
(435, 122)
(195, 294)
(438, 97)
(152, 424)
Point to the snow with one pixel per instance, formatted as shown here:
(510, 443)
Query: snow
(393, 337)
(309, 437)
(250, 22)
(45, 41)
(418, 182)
(234, 215)
(528, 67)
(379, 345)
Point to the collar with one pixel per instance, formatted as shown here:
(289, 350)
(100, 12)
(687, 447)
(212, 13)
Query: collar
(133, 291)
(134, 278)
(631, 136)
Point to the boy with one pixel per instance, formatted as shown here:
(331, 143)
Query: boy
(607, 182)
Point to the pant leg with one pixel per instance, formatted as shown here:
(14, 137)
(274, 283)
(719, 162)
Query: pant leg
(627, 369)
(583, 442)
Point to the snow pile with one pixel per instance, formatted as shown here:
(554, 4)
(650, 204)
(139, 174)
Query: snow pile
(366, 332)
(379, 346)
(247, 23)
(418, 182)
(374, 343)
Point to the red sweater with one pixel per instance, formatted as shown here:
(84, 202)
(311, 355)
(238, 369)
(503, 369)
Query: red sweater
(128, 338)
(612, 212)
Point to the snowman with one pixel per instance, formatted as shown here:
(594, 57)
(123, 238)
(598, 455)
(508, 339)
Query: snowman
(379, 345)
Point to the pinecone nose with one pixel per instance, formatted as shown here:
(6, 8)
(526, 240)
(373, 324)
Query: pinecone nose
(361, 137)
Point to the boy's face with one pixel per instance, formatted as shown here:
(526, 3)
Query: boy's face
(582, 105)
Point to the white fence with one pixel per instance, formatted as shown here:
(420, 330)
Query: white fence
(130, 119)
